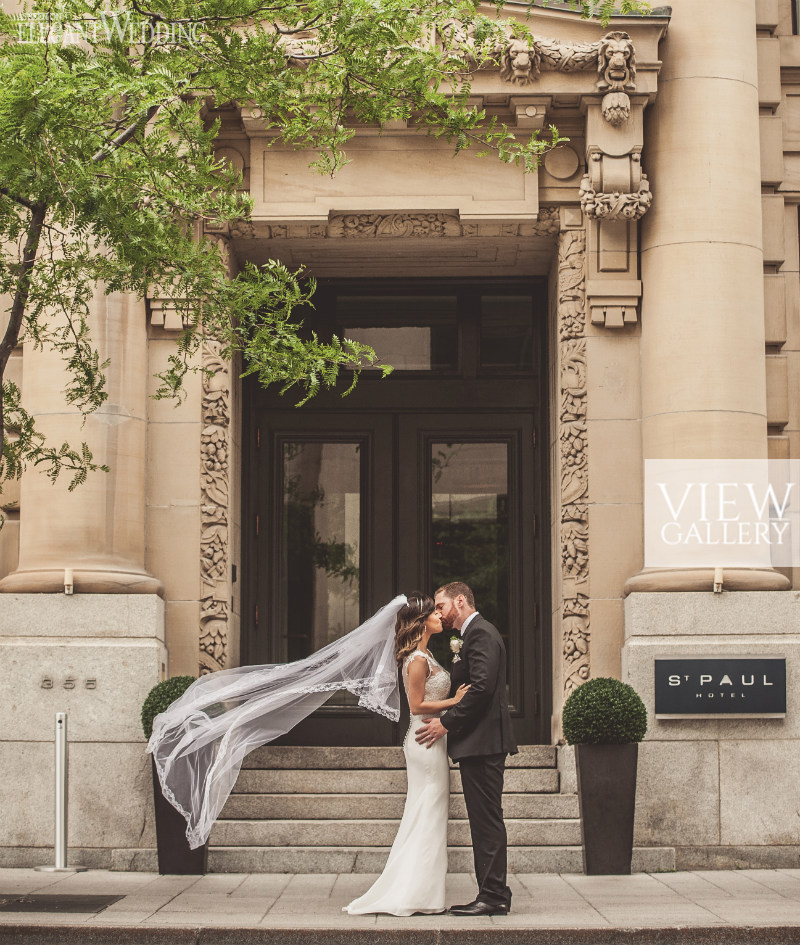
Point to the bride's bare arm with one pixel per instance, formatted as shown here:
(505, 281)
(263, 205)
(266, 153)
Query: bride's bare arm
(417, 674)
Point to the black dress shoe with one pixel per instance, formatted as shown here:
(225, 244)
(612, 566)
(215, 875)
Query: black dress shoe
(479, 908)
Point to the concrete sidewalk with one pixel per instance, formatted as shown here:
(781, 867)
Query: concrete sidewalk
(721, 907)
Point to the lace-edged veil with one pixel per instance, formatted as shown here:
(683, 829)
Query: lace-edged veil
(199, 742)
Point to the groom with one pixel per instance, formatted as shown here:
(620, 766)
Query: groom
(479, 738)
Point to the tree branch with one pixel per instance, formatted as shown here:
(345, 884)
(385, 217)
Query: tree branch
(160, 18)
(11, 337)
(298, 29)
(126, 135)
(17, 199)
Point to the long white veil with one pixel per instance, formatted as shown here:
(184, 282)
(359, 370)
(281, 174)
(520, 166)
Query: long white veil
(199, 742)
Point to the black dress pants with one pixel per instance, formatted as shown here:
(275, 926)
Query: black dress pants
(482, 780)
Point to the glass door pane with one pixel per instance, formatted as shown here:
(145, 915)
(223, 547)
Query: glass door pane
(410, 332)
(320, 543)
(469, 522)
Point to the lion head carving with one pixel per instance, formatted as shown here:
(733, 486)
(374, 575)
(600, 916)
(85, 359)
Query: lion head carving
(616, 63)
(520, 62)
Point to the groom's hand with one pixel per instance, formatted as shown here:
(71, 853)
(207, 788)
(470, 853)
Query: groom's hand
(430, 732)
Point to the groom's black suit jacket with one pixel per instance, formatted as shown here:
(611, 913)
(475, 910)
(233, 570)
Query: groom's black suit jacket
(480, 724)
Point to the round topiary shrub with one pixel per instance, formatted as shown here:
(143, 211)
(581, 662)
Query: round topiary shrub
(160, 697)
(604, 711)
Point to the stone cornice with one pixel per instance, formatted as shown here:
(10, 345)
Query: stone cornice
(391, 225)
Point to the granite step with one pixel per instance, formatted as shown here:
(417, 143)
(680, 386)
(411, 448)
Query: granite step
(371, 781)
(533, 859)
(378, 833)
(298, 757)
(381, 806)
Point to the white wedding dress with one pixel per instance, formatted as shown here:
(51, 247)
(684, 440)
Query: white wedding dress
(413, 879)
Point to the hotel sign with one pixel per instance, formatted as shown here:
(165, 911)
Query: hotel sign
(709, 688)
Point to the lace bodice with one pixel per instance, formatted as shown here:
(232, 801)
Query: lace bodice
(437, 685)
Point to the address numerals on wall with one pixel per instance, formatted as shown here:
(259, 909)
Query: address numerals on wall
(69, 682)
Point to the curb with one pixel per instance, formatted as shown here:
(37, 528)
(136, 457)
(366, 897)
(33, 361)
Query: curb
(138, 935)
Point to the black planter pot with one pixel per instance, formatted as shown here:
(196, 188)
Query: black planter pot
(174, 852)
(607, 792)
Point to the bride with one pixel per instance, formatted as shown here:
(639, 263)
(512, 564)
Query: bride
(413, 879)
(199, 741)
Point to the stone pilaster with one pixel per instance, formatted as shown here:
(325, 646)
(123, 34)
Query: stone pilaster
(703, 377)
(97, 530)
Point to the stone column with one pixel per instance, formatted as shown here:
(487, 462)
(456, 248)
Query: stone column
(96, 531)
(703, 373)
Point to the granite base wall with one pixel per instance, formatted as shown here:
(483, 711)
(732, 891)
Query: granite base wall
(722, 792)
(95, 657)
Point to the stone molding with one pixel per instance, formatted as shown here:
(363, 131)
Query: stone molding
(164, 314)
(522, 60)
(359, 225)
(215, 491)
(574, 473)
(423, 225)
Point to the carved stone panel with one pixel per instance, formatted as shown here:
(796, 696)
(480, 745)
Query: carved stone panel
(572, 438)
(215, 509)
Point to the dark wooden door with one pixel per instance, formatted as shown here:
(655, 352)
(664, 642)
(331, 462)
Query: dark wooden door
(429, 476)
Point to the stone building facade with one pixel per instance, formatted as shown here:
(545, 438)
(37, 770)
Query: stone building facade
(658, 253)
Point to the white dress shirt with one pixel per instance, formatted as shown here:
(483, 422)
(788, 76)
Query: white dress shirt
(466, 623)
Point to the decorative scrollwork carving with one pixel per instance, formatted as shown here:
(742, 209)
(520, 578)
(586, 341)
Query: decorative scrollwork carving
(575, 652)
(214, 509)
(575, 541)
(567, 57)
(600, 206)
(575, 635)
(404, 225)
(393, 225)
(523, 60)
(548, 223)
(571, 283)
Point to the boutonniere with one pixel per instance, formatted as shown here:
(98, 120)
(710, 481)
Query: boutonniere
(455, 645)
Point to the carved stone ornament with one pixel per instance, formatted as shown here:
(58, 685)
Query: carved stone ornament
(393, 225)
(600, 206)
(214, 509)
(398, 226)
(522, 59)
(616, 108)
(575, 635)
(522, 62)
(616, 63)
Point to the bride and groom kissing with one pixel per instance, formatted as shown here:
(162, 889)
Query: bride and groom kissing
(199, 742)
(464, 715)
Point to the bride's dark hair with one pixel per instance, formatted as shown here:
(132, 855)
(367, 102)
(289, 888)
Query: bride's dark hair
(409, 625)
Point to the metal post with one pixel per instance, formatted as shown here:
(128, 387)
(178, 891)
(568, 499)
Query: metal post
(61, 801)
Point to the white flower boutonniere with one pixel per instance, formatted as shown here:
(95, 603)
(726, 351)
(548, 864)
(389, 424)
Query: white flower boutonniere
(455, 645)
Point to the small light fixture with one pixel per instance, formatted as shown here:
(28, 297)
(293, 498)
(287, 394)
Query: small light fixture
(717, 580)
(68, 586)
